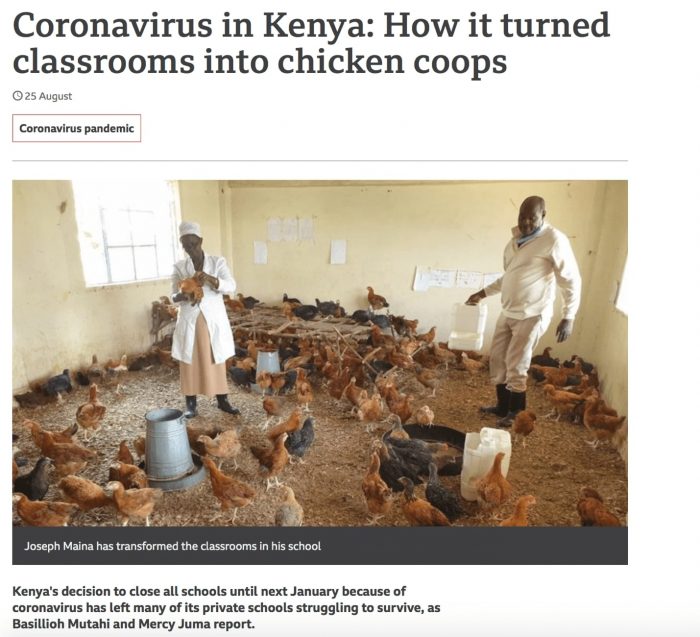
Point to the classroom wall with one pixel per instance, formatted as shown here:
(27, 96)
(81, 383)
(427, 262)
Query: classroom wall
(57, 321)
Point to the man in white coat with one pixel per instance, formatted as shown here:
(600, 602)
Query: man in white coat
(537, 260)
(202, 340)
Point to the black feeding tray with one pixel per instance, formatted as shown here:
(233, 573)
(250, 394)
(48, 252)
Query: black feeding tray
(440, 433)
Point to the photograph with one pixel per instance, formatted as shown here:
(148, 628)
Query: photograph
(335, 353)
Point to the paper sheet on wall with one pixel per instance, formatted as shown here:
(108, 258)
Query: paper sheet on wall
(339, 249)
(274, 229)
(490, 277)
(469, 279)
(306, 229)
(290, 229)
(442, 278)
(420, 280)
(260, 252)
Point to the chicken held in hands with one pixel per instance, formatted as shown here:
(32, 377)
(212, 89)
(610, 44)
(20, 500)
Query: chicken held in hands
(231, 493)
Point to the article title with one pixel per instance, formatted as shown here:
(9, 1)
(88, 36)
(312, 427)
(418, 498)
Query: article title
(320, 46)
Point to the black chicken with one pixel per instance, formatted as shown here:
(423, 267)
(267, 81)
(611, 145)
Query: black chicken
(442, 498)
(392, 467)
(306, 312)
(242, 377)
(327, 308)
(57, 384)
(287, 299)
(298, 442)
(360, 316)
(35, 484)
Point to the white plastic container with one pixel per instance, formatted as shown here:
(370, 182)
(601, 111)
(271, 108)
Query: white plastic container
(468, 326)
(480, 449)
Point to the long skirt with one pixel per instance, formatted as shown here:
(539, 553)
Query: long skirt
(203, 376)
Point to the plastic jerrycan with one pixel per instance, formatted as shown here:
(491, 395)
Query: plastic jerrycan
(480, 449)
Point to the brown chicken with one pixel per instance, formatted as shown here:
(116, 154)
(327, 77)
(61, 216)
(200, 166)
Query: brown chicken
(493, 489)
(519, 517)
(377, 494)
(85, 493)
(272, 460)
(42, 513)
(231, 493)
(402, 406)
(89, 415)
(557, 376)
(293, 423)
(428, 337)
(424, 416)
(600, 425)
(290, 512)
(593, 512)
(140, 446)
(226, 445)
(131, 476)
(354, 393)
(233, 304)
(523, 424)
(420, 512)
(133, 503)
(193, 289)
(264, 381)
(376, 301)
(371, 410)
(124, 454)
(39, 434)
(444, 355)
(427, 378)
(95, 371)
(471, 365)
(272, 407)
(304, 393)
(562, 401)
(397, 432)
(68, 458)
(113, 367)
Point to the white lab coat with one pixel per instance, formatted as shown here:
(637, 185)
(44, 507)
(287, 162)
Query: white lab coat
(211, 306)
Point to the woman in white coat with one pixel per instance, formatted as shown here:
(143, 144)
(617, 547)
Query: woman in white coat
(202, 340)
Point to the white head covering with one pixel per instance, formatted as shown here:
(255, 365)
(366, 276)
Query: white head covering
(190, 227)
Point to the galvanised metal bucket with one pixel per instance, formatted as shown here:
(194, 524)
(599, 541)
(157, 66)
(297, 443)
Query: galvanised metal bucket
(169, 463)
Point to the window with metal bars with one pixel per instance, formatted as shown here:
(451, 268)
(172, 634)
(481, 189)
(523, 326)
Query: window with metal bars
(127, 230)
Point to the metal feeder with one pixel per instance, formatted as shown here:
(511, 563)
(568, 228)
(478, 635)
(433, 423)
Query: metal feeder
(170, 463)
(268, 361)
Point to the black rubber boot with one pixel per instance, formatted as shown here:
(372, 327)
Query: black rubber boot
(191, 402)
(517, 404)
(503, 402)
(225, 405)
